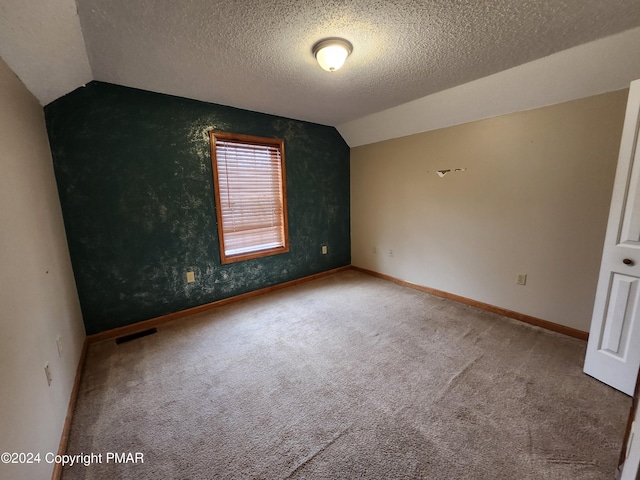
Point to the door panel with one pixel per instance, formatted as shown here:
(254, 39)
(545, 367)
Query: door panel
(622, 309)
(630, 232)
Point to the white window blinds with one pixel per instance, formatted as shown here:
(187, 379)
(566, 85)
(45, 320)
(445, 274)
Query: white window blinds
(250, 196)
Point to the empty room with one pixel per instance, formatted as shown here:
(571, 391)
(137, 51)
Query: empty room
(275, 239)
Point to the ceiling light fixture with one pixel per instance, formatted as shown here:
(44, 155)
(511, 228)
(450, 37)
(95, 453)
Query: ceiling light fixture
(332, 52)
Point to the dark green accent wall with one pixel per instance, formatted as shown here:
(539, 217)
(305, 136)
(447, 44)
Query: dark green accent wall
(135, 182)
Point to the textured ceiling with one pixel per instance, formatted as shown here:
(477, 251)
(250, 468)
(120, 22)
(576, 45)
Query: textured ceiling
(592, 68)
(256, 54)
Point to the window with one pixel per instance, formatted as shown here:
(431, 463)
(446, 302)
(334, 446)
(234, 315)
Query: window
(250, 191)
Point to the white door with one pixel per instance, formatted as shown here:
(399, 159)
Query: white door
(613, 351)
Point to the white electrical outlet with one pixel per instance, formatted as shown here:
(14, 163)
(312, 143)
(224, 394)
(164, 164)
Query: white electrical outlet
(59, 345)
(390, 252)
(375, 250)
(191, 277)
(522, 279)
(47, 372)
(324, 249)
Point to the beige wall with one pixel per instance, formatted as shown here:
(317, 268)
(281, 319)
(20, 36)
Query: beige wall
(534, 199)
(38, 300)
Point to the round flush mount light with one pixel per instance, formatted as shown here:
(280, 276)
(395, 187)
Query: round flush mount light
(332, 52)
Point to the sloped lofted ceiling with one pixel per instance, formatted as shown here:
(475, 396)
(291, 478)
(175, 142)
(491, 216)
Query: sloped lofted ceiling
(42, 42)
(256, 54)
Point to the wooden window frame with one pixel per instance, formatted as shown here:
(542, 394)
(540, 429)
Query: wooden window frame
(214, 137)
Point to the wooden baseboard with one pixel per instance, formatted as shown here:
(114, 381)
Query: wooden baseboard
(154, 322)
(64, 438)
(538, 322)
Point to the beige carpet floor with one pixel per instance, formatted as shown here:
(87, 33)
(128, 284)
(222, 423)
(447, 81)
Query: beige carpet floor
(346, 377)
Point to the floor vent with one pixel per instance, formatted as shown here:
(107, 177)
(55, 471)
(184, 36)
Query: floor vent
(133, 336)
